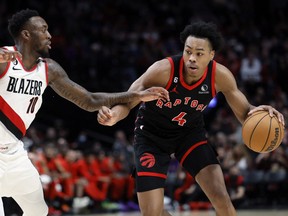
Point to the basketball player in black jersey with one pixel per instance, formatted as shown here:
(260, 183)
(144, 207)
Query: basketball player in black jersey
(176, 126)
(29, 57)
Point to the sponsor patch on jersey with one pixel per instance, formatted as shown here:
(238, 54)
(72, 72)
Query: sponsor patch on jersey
(204, 89)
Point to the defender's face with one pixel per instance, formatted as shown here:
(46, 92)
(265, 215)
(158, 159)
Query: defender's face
(39, 36)
(197, 54)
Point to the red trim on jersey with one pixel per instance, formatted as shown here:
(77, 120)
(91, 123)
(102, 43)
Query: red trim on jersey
(171, 74)
(182, 81)
(213, 78)
(12, 115)
(31, 70)
(152, 174)
(20, 61)
(46, 72)
(191, 149)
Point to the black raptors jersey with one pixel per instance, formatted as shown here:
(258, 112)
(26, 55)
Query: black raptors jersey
(184, 111)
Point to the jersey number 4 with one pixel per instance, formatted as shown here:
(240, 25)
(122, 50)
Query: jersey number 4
(180, 118)
(32, 104)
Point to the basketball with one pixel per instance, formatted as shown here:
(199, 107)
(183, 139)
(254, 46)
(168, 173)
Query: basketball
(261, 132)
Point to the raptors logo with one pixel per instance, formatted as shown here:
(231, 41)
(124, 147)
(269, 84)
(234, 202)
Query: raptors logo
(147, 160)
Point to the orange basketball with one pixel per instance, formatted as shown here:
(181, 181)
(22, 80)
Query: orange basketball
(261, 132)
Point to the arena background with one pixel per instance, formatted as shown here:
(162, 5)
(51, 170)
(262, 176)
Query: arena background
(105, 45)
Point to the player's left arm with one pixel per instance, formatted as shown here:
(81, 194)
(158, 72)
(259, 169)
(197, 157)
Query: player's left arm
(157, 74)
(226, 83)
(65, 87)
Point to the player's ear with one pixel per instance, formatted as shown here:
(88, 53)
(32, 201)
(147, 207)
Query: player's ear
(25, 34)
(212, 54)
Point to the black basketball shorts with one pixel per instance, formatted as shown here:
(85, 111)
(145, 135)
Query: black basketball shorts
(153, 155)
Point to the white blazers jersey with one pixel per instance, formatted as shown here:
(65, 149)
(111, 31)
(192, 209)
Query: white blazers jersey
(20, 99)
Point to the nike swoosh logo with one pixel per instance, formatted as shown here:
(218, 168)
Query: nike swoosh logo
(14, 68)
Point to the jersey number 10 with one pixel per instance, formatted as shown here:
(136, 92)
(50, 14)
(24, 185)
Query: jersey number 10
(32, 104)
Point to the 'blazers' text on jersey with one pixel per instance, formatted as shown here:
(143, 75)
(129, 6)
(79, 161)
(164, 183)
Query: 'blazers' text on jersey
(20, 100)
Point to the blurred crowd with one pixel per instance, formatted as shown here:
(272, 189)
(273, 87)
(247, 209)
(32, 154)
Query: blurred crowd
(105, 46)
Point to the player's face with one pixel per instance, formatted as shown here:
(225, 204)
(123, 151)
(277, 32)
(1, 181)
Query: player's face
(197, 54)
(40, 36)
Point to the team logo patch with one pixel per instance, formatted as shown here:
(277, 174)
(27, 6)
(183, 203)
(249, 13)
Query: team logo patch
(147, 160)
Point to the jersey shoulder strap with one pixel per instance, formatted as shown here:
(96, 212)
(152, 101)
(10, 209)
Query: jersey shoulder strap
(175, 67)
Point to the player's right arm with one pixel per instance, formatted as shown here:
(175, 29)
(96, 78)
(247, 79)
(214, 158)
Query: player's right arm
(7, 56)
(157, 74)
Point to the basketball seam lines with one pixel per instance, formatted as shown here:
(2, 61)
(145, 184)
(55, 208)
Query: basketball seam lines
(255, 129)
(250, 117)
(268, 135)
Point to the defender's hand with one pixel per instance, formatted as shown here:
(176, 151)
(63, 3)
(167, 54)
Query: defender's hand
(154, 93)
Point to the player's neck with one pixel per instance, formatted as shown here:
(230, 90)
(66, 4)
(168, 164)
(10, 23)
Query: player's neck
(29, 57)
(190, 79)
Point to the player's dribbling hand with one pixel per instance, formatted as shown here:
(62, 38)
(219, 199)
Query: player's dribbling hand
(154, 93)
(105, 116)
(272, 111)
(8, 55)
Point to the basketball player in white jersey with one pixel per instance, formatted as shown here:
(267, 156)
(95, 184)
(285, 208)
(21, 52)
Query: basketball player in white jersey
(25, 71)
(1, 208)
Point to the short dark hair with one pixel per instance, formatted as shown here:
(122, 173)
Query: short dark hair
(201, 29)
(18, 20)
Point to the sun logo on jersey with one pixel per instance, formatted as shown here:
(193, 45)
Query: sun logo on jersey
(147, 160)
(204, 89)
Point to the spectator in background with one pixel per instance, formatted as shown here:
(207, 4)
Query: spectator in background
(189, 194)
(250, 71)
(91, 185)
(238, 157)
(123, 149)
(235, 185)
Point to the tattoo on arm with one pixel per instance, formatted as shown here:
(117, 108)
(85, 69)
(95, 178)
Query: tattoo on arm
(66, 88)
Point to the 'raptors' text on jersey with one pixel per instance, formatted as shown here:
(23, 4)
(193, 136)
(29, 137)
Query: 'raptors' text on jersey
(20, 99)
(187, 102)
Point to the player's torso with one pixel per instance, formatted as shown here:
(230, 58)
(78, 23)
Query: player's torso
(186, 105)
(21, 96)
